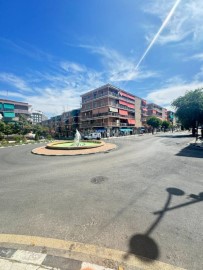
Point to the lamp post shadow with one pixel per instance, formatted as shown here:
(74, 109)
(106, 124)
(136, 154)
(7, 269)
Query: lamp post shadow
(142, 245)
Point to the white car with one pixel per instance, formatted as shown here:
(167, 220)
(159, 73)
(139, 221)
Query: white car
(93, 136)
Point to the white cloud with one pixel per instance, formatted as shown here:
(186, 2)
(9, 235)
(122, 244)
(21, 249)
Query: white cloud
(72, 67)
(6, 94)
(53, 92)
(167, 94)
(26, 49)
(14, 81)
(198, 56)
(186, 21)
(119, 68)
(60, 89)
(199, 75)
(54, 102)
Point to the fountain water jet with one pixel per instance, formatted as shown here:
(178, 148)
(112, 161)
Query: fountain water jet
(77, 138)
(75, 144)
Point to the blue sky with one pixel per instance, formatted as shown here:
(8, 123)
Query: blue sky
(53, 51)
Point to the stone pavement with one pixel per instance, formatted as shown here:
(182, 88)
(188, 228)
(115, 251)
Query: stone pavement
(21, 252)
(51, 152)
(12, 259)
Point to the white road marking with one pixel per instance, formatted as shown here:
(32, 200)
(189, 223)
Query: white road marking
(90, 266)
(28, 257)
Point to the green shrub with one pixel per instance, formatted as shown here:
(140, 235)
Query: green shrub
(24, 139)
(17, 138)
(4, 142)
(49, 137)
(1, 136)
(36, 137)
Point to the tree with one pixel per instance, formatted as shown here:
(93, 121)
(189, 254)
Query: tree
(9, 129)
(2, 126)
(154, 122)
(189, 108)
(165, 125)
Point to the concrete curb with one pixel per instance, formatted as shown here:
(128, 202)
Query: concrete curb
(11, 259)
(49, 253)
(106, 148)
(17, 145)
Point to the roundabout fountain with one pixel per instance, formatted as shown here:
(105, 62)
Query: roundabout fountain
(73, 147)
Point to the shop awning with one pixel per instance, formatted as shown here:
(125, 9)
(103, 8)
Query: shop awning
(123, 112)
(100, 129)
(126, 129)
(131, 121)
(9, 114)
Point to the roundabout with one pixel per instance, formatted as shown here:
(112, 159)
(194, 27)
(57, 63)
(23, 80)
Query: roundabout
(70, 145)
(64, 149)
(74, 147)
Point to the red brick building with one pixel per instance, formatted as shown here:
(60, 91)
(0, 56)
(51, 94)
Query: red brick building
(108, 110)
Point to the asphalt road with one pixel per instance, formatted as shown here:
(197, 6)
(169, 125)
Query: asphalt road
(147, 193)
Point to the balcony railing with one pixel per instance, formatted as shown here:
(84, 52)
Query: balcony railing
(110, 124)
(107, 115)
(21, 111)
(109, 94)
(127, 99)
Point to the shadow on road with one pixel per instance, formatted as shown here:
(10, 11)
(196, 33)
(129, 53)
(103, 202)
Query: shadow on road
(191, 151)
(145, 247)
(175, 136)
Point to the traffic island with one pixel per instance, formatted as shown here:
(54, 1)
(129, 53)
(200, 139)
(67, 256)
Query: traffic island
(45, 151)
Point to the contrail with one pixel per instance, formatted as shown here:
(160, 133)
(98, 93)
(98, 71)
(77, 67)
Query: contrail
(159, 32)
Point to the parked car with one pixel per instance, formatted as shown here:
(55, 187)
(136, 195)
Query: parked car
(93, 136)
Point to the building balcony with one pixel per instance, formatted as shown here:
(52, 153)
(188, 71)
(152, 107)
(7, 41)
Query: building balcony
(111, 95)
(127, 99)
(22, 111)
(110, 124)
(107, 115)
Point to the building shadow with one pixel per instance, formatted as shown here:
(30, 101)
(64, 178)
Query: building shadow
(174, 136)
(191, 151)
(143, 246)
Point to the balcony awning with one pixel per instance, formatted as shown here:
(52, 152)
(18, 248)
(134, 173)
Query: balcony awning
(125, 129)
(131, 121)
(144, 109)
(126, 95)
(123, 112)
(113, 109)
(9, 114)
(9, 106)
(144, 102)
(101, 129)
(126, 104)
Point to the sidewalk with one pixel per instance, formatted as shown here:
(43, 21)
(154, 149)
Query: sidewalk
(21, 252)
(11, 259)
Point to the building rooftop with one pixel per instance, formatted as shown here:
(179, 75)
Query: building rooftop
(107, 85)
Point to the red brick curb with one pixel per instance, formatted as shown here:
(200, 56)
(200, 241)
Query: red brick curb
(51, 152)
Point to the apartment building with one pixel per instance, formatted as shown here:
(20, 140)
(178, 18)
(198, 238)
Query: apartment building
(140, 112)
(37, 117)
(10, 109)
(108, 110)
(171, 117)
(64, 124)
(156, 110)
(70, 122)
